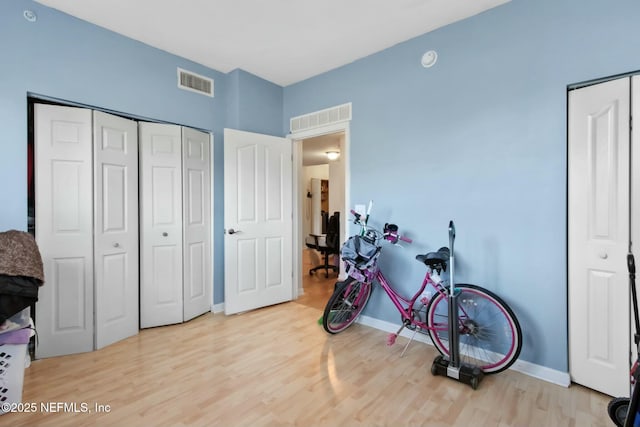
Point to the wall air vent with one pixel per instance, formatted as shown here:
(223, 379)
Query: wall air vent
(195, 82)
(329, 116)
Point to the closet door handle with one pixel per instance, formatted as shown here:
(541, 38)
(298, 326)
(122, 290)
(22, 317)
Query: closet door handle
(116, 245)
(232, 231)
(165, 234)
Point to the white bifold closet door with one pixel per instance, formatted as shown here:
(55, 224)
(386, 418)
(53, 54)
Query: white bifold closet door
(196, 218)
(175, 215)
(87, 234)
(115, 228)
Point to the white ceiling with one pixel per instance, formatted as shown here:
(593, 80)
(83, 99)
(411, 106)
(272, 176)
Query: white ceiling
(314, 150)
(283, 41)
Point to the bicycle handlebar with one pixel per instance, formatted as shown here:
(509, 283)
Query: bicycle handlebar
(390, 232)
(393, 237)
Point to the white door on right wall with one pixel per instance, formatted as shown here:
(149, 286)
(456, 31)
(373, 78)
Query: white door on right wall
(598, 236)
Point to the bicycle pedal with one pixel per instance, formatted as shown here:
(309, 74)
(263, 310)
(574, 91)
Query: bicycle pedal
(391, 339)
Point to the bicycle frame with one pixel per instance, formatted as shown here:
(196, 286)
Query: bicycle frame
(374, 273)
(403, 304)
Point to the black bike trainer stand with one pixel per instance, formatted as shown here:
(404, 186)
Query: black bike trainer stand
(451, 367)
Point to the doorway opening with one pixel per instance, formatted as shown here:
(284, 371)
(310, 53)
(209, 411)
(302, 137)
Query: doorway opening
(322, 195)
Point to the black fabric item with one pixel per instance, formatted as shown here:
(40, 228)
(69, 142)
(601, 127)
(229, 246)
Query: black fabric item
(331, 245)
(16, 294)
(333, 232)
(435, 259)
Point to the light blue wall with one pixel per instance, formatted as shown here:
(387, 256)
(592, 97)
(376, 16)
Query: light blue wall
(255, 105)
(68, 59)
(480, 138)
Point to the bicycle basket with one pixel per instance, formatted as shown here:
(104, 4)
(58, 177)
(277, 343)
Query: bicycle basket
(359, 252)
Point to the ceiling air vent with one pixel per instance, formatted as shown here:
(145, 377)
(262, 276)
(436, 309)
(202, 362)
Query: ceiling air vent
(329, 116)
(195, 82)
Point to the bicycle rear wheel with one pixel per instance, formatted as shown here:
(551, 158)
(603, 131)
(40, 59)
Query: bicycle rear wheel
(617, 410)
(489, 332)
(345, 305)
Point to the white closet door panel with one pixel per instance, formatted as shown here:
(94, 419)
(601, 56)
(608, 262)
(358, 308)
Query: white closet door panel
(161, 296)
(116, 228)
(598, 236)
(196, 169)
(64, 230)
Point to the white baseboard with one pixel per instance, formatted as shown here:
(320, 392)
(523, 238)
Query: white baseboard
(527, 368)
(217, 308)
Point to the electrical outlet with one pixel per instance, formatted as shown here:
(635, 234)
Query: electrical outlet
(361, 209)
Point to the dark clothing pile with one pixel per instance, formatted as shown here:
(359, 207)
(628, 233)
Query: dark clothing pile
(21, 272)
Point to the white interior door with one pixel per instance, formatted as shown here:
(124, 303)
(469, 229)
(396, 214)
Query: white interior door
(258, 220)
(160, 224)
(196, 172)
(598, 225)
(64, 231)
(116, 228)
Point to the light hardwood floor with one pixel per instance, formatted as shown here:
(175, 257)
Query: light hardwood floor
(277, 367)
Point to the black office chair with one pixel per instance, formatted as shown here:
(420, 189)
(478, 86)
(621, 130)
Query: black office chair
(327, 245)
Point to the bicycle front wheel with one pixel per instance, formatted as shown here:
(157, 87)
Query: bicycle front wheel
(345, 305)
(489, 333)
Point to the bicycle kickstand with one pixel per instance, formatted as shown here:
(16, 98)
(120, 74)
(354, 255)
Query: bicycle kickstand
(409, 342)
(391, 339)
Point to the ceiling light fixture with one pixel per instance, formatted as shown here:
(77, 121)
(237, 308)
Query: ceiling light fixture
(333, 155)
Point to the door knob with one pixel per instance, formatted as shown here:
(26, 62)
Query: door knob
(232, 231)
(603, 255)
(116, 245)
(165, 234)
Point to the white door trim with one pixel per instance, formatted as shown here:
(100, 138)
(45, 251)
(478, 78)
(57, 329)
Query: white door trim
(297, 138)
(634, 190)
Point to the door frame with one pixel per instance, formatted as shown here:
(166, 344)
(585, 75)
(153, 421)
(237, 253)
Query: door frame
(634, 192)
(296, 140)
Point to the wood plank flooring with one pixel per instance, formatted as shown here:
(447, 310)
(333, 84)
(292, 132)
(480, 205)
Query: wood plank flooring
(277, 367)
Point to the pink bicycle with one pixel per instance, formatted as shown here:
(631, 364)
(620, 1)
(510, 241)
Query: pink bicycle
(488, 331)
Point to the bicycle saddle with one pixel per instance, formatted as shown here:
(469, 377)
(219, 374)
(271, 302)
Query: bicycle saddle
(435, 259)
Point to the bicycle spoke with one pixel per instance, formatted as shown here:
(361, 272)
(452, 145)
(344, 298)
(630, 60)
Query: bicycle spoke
(345, 305)
(489, 336)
